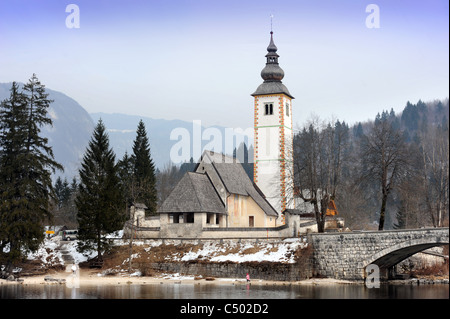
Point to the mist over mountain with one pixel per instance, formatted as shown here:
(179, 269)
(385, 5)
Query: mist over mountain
(73, 126)
(167, 137)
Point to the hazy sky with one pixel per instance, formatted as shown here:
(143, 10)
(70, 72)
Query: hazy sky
(201, 60)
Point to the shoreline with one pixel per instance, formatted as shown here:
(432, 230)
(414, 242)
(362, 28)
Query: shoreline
(94, 277)
(90, 277)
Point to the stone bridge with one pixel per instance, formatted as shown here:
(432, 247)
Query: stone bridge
(346, 255)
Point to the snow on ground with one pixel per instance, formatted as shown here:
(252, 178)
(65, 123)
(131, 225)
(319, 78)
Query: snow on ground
(176, 276)
(71, 248)
(52, 250)
(47, 253)
(282, 251)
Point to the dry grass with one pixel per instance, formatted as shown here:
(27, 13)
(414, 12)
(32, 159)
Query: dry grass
(439, 270)
(117, 260)
(303, 255)
(252, 250)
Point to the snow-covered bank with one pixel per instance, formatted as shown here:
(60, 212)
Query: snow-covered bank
(214, 251)
(54, 252)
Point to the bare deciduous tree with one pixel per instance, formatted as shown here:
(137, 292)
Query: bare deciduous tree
(319, 151)
(166, 180)
(435, 173)
(385, 159)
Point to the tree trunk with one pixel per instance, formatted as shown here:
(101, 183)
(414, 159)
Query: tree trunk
(320, 213)
(382, 211)
(99, 248)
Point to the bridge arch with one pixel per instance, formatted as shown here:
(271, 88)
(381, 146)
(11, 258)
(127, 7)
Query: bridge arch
(346, 255)
(394, 254)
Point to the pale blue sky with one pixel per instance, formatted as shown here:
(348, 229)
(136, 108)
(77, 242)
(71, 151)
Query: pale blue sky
(201, 60)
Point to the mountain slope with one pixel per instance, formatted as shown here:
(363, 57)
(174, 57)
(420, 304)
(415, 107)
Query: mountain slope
(70, 133)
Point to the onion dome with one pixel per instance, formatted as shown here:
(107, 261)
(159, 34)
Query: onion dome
(272, 74)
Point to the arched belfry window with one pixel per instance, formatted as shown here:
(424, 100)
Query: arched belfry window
(268, 108)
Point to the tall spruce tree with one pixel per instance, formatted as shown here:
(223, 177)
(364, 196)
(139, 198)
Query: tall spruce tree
(26, 165)
(144, 170)
(125, 170)
(99, 200)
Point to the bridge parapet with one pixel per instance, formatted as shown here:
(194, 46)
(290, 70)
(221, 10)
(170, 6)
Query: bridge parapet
(346, 255)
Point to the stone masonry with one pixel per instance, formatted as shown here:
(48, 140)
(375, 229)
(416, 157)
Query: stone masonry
(346, 255)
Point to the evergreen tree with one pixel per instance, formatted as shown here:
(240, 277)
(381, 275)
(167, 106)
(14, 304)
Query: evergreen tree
(125, 170)
(64, 209)
(401, 217)
(59, 190)
(187, 167)
(410, 117)
(99, 200)
(26, 165)
(62, 192)
(73, 186)
(144, 170)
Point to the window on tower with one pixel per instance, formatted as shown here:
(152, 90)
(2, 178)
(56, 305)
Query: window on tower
(287, 109)
(268, 109)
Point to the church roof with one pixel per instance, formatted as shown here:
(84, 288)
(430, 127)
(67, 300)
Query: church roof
(267, 88)
(194, 193)
(236, 180)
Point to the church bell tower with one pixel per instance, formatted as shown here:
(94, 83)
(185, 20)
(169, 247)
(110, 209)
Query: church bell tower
(273, 136)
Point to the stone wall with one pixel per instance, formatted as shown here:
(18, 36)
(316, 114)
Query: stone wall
(197, 230)
(256, 270)
(346, 255)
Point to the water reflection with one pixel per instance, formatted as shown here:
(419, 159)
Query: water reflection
(213, 291)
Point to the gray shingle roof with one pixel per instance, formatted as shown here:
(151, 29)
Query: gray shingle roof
(194, 193)
(236, 180)
(273, 87)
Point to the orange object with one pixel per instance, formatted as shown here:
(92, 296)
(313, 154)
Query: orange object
(331, 210)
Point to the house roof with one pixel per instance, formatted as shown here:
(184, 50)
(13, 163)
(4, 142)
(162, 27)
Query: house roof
(236, 180)
(194, 193)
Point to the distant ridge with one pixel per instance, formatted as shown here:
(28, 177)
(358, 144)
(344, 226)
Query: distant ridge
(122, 132)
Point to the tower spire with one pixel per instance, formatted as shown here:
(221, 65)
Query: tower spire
(271, 17)
(272, 73)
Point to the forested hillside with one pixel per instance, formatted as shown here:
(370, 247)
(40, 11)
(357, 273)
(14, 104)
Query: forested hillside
(412, 177)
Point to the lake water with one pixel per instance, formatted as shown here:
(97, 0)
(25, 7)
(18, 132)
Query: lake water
(213, 291)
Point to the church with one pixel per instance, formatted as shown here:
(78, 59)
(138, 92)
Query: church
(219, 200)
